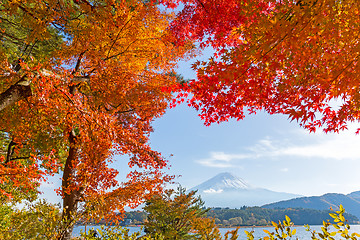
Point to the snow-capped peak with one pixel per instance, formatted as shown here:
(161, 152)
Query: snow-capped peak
(222, 182)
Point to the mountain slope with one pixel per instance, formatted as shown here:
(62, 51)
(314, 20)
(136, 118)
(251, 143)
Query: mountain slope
(227, 190)
(351, 202)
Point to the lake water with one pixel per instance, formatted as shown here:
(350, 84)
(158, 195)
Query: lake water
(301, 233)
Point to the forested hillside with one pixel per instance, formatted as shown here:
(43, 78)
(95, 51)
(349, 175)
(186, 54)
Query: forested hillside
(249, 216)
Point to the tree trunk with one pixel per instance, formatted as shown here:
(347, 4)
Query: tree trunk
(71, 196)
(19, 90)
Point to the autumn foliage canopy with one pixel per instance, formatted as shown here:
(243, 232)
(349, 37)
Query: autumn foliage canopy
(81, 81)
(298, 58)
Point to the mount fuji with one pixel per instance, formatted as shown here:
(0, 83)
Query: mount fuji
(228, 190)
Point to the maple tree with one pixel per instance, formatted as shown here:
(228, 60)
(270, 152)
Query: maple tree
(80, 83)
(298, 58)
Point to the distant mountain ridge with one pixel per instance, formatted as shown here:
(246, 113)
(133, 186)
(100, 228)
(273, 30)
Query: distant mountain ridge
(351, 202)
(227, 190)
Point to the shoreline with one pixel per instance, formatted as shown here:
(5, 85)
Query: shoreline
(225, 227)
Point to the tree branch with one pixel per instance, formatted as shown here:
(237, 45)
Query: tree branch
(10, 152)
(19, 90)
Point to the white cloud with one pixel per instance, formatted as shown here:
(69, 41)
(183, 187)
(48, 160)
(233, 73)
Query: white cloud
(342, 146)
(345, 145)
(211, 190)
(221, 159)
(214, 163)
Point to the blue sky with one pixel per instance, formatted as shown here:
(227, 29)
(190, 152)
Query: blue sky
(266, 151)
